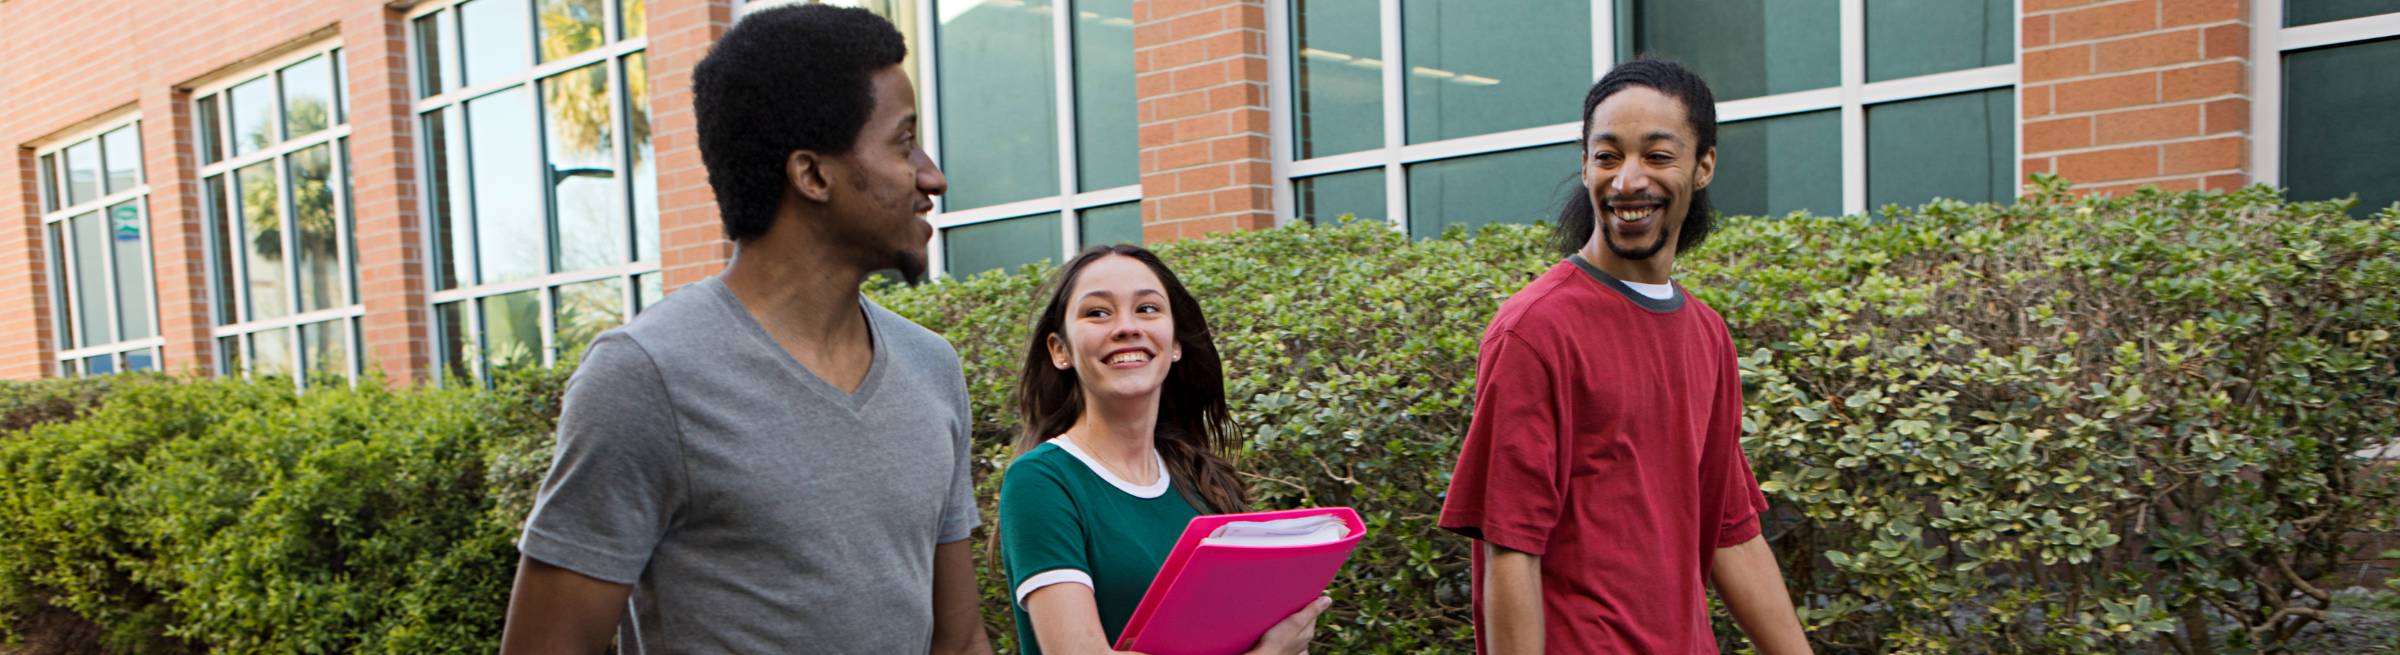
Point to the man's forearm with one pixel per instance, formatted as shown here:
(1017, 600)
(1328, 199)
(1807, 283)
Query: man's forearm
(1752, 588)
(1512, 601)
(957, 614)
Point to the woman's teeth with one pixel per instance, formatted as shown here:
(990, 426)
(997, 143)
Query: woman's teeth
(1121, 358)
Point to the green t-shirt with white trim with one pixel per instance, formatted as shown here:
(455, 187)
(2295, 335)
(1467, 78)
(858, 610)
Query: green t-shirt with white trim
(1065, 519)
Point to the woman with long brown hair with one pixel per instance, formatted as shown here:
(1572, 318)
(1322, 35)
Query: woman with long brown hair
(1126, 439)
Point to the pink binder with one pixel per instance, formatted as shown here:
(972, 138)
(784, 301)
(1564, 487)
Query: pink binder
(1218, 599)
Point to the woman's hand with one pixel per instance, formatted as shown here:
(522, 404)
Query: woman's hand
(1291, 636)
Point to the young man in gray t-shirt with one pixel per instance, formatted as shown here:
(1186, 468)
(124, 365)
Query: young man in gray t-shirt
(767, 461)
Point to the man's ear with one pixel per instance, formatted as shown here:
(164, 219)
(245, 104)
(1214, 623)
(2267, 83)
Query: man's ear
(806, 172)
(1708, 168)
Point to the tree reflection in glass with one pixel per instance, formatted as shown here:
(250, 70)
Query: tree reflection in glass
(570, 26)
(314, 233)
(262, 238)
(590, 230)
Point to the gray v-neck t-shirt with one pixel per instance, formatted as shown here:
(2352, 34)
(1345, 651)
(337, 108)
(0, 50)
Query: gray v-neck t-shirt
(753, 506)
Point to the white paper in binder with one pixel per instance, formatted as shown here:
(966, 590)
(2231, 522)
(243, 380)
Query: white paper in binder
(1303, 531)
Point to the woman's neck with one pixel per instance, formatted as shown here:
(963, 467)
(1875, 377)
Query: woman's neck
(1121, 435)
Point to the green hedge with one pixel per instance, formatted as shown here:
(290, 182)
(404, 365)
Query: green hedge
(2060, 426)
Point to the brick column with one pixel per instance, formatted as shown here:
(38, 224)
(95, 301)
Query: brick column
(2121, 95)
(24, 279)
(388, 229)
(1200, 80)
(178, 244)
(691, 238)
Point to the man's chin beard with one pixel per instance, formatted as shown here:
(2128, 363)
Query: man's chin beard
(1608, 238)
(910, 265)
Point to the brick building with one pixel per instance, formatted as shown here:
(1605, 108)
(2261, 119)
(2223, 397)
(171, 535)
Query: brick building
(255, 187)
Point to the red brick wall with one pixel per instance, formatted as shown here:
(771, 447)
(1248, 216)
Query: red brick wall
(391, 257)
(1200, 80)
(691, 238)
(64, 63)
(2131, 93)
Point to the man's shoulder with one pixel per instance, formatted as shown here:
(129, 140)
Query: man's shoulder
(914, 345)
(1542, 308)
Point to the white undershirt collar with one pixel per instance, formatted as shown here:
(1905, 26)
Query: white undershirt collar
(1652, 291)
(1153, 490)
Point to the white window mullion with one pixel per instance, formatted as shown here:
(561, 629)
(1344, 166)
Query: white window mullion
(1854, 111)
(929, 124)
(1395, 131)
(1062, 48)
(1280, 134)
(2266, 93)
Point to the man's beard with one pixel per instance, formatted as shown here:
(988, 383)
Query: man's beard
(1665, 233)
(910, 266)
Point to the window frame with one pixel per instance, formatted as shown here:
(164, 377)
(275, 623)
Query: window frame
(1851, 97)
(70, 361)
(452, 104)
(2270, 42)
(334, 138)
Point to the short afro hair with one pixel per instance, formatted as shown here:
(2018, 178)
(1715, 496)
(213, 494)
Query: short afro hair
(784, 79)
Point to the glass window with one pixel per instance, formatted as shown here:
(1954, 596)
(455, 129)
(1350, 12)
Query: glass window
(1907, 38)
(648, 288)
(1518, 186)
(1961, 147)
(141, 360)
(582, 168)
(1493, 66)
(508, 221)
(495, 34)
(49, 184)
(271, 353)
(1001, 245)
(262, 240)
(1337, 77)
(450, 320)
(512, 330)
(252, 106)
(99, 365)
(130, 265)
(446, 173)
(1775, 166)
(90, 262)
(221, 236)
(437, 45)
(1744, 48)
(569, 27)
(315, 233)
(308, 97)
(585, 310)
(123, 153)
(636, 15)
(1106, 151)
(2310, 12)
(1323, 199)
(229, 356)
(341, 88)
(644, 160)
(2337, 138)
(1000, 144)
(1112, 224)
(212, 138)
(326, 347)
(83, 172)
(64, 306)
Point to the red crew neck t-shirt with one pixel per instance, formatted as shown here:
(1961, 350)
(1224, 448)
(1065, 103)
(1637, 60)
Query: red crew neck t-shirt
(1607, 440)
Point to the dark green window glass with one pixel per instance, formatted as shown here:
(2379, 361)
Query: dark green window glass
(314, 233)
(512, 330)
(210, 127)
(1322, 199)
(1000, 128)
(584, 310)
(222, 232)
(229, 356)
(1110, 225)
(446, 175)
(1337, 77)
(49, 182)
(131, 265)
(508, 214)
(569, 26)
(1775, 166)
(325, 349)
(581, 163)
(2309, 12)
(495, 35)
(1961, 147)
(70, 331)
(1493, 66)
(451, 321)
(1744, 48)
(308, 97)
(271, 354)
(1001, 245)
(2337, 137)
(1906, 38)
(1518, 186)
(1106, 151)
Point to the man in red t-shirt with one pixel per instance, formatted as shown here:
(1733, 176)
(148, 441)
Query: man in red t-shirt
(1603, 477)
